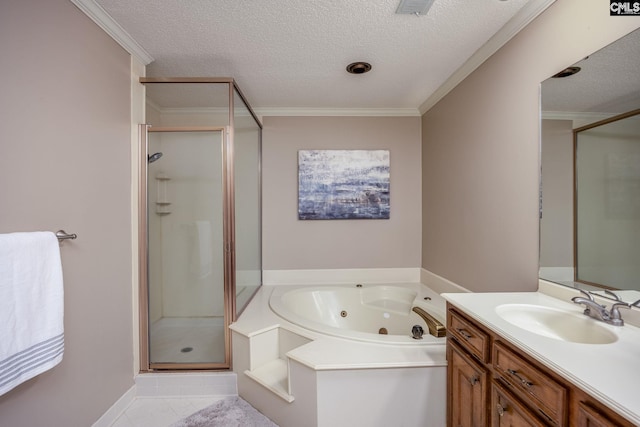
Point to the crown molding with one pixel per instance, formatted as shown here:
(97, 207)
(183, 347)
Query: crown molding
(98, 15)
(520, 20)
(195, 110)
(578, 119)
(569, 115)
(326, 112)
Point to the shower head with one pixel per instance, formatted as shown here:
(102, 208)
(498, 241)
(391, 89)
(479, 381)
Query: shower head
(153, 157)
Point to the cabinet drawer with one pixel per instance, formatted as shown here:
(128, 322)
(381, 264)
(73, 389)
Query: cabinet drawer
(543, 394)
(473, 339)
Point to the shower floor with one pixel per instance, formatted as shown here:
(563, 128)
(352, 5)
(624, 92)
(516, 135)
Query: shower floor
(187, 340)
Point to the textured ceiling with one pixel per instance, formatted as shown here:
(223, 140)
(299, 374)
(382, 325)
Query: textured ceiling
(293, 54)
(608, 82)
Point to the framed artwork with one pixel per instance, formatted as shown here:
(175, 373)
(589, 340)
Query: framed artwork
(343, 184)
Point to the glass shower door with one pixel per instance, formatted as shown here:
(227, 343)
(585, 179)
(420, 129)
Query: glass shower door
(247, 203)
(186, 243)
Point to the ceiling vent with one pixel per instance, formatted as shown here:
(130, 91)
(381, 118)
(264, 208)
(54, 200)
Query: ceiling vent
(414, 7)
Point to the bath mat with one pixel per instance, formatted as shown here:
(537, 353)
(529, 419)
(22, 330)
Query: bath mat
(228, 412)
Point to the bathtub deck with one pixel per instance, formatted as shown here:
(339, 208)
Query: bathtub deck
(300, 377)
(327, 352)
(273, 375)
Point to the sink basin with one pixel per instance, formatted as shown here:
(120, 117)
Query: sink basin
(557, 324)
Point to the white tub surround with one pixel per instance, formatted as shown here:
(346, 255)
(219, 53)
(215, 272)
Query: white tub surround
(606, 371)
(359, 312)
(439, 284)
(297, 376)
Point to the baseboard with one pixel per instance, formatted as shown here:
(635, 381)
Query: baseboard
(439, 284)
(177, 384)
(341, 276)
(172, 384)
(112, 414)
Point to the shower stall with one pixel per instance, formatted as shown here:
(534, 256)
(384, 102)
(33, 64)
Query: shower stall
(200, 205)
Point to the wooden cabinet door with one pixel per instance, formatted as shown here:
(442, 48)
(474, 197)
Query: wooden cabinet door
(507, 411)
(467, 390)
(590, 417)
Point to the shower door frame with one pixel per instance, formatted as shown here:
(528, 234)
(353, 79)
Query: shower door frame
(228, 200)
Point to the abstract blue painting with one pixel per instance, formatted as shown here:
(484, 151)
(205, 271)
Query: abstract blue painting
(343, 184)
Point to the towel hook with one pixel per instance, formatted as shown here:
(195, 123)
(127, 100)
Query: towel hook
(63, 235)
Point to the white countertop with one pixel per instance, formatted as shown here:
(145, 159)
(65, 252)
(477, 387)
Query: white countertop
(609, 372)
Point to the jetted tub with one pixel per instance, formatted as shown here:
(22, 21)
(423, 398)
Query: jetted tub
(373, 313)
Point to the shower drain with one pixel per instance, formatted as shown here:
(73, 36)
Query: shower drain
(186, 349)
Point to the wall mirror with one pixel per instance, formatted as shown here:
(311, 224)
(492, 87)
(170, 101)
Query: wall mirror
(590, 166)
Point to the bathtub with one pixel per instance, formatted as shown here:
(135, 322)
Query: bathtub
(380, 313)
(312, 355)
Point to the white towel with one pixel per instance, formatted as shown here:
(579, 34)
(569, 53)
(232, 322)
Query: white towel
(31, 306)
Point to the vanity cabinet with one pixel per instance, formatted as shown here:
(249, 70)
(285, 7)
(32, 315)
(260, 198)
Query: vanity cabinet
(509, 412)
(490, 382)
(468, 385)
(589, 413)
(545, 395)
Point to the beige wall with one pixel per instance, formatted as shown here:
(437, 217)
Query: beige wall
(556, 225)
(480, 151)
(289, 243)
(65, 163)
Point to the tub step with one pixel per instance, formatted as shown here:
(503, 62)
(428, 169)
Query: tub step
(273, 375)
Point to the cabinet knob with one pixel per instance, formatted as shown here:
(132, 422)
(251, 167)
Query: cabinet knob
(474, 380)
(500, 409)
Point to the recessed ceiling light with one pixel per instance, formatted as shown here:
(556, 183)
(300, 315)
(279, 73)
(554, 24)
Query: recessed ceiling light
(359, 67)
(569, 71)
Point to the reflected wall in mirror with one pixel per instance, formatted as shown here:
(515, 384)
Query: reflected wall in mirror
(574, 250)
(607, 202)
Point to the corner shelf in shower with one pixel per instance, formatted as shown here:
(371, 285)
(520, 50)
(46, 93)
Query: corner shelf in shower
(162, 205)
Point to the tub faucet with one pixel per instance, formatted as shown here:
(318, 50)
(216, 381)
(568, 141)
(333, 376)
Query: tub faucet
(436, 328)
(600, 312)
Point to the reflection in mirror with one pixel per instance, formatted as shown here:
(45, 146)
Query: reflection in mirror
(607, 202)
(575, 251)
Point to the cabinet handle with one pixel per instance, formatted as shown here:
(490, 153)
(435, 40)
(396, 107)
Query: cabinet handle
(501, 409)
(525, 382)
(474, 380)
(465, 334)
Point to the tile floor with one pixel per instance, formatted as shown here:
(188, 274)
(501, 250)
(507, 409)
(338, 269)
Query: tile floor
(161, 411)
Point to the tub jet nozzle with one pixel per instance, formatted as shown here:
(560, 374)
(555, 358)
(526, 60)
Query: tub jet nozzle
(417, 332)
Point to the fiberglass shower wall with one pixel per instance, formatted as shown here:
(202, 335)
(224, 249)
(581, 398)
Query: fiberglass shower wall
(186, 223)
(202, 219)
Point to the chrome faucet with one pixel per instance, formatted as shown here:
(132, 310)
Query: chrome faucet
(600, 312)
